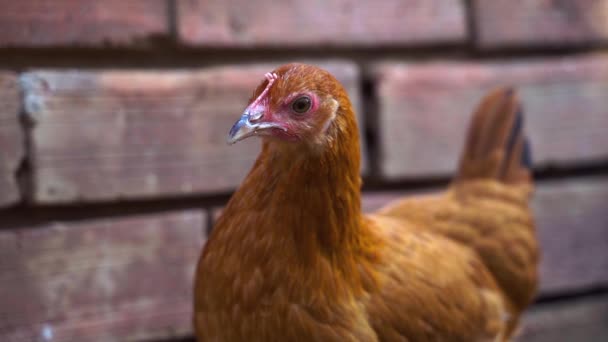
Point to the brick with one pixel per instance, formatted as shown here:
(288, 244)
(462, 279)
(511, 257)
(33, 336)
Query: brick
(11, 138)
(327, 23)
(529, 23)
(425, 109)
(105, 135)
(115, 279)
(571, 226)
(576, 320)
(31, 23)
(573, 230)
(375, 200)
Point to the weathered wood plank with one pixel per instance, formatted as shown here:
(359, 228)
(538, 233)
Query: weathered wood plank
(31, 23)
(100, 280)
(425, 110)
(572, 227)
(572, 320)
(132, 134)
(529, 23)
(11, 138)
(332, 23)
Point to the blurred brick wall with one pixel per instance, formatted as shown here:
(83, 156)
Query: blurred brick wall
(113, 162)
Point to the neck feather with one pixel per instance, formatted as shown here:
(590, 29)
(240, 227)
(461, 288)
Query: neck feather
(307, 194)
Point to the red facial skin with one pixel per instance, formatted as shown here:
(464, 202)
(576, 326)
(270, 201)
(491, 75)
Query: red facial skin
(271, 112)
(294, 125)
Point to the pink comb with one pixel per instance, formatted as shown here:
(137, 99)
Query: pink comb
(271, 77)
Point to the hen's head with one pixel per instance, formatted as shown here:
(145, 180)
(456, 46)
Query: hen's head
(297, 104)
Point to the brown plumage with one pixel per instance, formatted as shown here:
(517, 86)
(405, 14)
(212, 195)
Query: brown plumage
(292, 258)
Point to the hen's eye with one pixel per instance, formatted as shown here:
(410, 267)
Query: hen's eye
(301, 104)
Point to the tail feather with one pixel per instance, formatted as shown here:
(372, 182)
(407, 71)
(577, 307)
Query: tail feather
(526, 156)
(496, 147)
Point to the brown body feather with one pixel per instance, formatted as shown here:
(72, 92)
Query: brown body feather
(292, 257)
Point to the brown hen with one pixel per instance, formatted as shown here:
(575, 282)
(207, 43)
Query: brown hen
(292, 258)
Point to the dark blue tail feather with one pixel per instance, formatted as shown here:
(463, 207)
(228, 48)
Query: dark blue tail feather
(516, 131)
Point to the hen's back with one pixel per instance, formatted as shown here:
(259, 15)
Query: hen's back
(486, 209)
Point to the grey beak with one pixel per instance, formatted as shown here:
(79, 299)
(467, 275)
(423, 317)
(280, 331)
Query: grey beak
(241, 129)
(245, 128)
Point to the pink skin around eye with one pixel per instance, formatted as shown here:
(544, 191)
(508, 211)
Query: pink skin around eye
(289, 119)
(314, 105)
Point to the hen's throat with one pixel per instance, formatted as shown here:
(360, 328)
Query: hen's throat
(306, 200)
